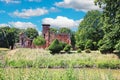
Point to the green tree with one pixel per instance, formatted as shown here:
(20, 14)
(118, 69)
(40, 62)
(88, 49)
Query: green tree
(55, 47)
(53, 30)
(111, 27)
(31, 33)
(89, 29)
(39, 41)
(8, 36)
(64, 30)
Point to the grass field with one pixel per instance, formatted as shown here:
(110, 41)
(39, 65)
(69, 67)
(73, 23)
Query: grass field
(42, 58)
(58, 74)
(39, 64)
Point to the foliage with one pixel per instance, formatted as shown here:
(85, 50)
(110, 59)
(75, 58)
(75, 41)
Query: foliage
(67, 48)
(89, 29)
(39, 41)
(79, 51)
(80, 45)
(7, 37)
(55, 47)
(53, 30)
(117, 46)
(58, 74)
(63, 44)
(31, 33)
(89, 45)
(73, 40)
(87, 50)
(43, 59)
(64, 30)
(111, 21)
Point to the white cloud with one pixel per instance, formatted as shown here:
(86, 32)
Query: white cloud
(11, 1)
(22, 25)
(79, 5)
(26, 13)
(34, 0)
(4, 25)
(61, 21)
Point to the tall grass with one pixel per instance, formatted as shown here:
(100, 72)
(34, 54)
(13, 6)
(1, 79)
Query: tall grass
(42, 58)
(58, 74)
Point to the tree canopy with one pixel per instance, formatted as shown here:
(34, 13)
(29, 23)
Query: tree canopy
(39, 41)
(89, 29)
(111, 24)
(31, 33)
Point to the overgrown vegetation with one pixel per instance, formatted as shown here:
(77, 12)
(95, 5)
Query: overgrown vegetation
(39, 41)
(55, 47)
(43, 59)
(58, 74)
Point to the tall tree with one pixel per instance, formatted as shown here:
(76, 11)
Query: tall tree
(89, 29)
(31, 33)
(8, 36)
(111, 27)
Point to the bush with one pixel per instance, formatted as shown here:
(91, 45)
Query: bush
(81, 45)
(117, 46)
(89, 45)
(79, 51)
(55, 47)
(88, 51)
(39, 41)
(67, 48)
(63, 44)
(106, 46)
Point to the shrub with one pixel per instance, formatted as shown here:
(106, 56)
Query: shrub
(117, 46)
(67, 48)
(106, 46)
(55, 47)
(88, 51)
(81, 45)
(79, 51)
(63, 44)
(89, 45)
(39, 41)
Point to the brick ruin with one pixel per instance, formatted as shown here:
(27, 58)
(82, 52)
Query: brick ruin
(47, 34)
(51, 36)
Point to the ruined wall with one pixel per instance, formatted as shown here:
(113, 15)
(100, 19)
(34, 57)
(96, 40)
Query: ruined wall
(50, 36)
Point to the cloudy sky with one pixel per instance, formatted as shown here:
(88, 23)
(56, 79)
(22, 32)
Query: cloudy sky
(32, 13)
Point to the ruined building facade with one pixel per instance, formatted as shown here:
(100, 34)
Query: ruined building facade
(48, 35)
(51, 36)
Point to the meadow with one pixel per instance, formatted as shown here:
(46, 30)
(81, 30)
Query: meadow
(58, 74)
(43, 59)
(39, 64)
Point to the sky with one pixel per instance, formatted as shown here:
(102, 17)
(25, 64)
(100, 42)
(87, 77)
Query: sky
(33, 13)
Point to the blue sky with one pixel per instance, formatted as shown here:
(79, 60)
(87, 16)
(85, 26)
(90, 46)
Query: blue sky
(33, 13)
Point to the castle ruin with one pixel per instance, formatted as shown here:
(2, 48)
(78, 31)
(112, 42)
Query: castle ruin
(48, 36)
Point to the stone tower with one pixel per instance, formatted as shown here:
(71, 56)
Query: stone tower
(46, 33)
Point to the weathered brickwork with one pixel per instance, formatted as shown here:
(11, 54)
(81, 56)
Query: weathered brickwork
(49, 38)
